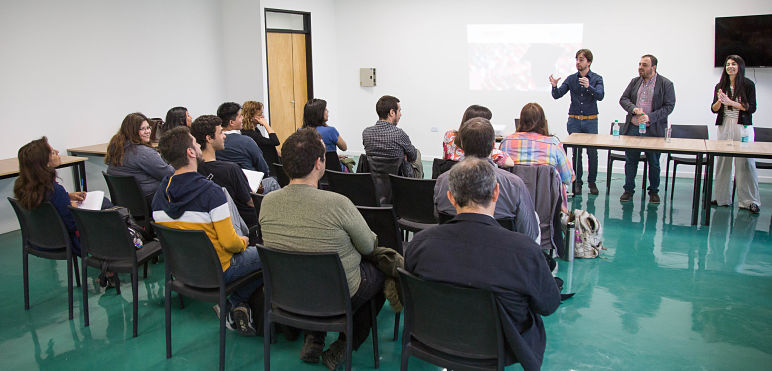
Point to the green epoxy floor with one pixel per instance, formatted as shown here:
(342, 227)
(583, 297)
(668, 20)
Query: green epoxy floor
(669, 296)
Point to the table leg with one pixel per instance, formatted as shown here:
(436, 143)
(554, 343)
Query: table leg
(697, 190)
(575, 151)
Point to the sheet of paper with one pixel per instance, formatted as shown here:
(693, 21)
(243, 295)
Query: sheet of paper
(254, 178)
(93, 200)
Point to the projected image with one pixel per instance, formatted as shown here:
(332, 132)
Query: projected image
(521, 57)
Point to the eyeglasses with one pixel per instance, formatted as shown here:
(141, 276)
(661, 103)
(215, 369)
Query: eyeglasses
(145, 128)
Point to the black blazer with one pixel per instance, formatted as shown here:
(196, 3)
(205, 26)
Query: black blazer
(743, 117)
(473, 250)
(662, 104)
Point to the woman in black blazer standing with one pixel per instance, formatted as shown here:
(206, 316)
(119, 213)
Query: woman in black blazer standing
(734, 101)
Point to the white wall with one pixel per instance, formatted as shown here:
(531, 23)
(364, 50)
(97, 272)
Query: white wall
(420, 52)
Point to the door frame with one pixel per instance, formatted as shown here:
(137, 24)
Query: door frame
(309, 67)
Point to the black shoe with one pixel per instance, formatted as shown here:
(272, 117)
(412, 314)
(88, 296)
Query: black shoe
(627, 196)
(714, 203)
(653, 197)
(577, 188)
(334, 355)
(312, 348)
(241, 319)
(753, 208)
(593, 189)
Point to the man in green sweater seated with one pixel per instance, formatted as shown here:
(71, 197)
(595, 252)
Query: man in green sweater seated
(301, 217)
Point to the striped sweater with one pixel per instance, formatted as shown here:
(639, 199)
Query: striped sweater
(190, 201)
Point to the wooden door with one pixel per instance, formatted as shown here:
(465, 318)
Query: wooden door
(287, 81)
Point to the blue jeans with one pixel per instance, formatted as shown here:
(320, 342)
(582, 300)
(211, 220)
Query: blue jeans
(631, 166)
(585, 126)
(242, 264)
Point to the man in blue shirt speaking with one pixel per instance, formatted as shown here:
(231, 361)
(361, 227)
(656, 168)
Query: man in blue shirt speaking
(586, 90)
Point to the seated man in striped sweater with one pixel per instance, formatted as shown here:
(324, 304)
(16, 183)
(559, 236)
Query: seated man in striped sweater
(187, 200)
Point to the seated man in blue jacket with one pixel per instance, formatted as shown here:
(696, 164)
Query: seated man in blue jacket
(473, 250)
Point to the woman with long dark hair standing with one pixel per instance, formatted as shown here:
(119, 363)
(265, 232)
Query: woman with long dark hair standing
(734, 102)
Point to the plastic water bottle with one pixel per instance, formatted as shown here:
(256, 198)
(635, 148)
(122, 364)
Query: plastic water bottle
(745, 133)
(642, 128)
(615, 129)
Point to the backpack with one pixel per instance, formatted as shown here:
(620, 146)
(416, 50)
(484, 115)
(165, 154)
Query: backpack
(587, 234)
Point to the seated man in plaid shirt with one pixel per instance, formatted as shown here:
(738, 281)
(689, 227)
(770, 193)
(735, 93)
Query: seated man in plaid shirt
(385, 139)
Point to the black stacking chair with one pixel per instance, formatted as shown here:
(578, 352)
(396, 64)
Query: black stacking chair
(124, 191)
(413, 201)
(440, 166)
(281, 176)
(44, 235)
(683, 131)
(620, 156)
(380, 168)
(308, 291)
(194, 270)
(358, 187)
(332, 161)
(762, 135)
(508, 223)
(450, 326)
(257, 200)
(107, 245)
(383, 223)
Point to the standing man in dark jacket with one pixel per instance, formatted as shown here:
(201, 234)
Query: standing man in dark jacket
(473, 250)
(648, 99)
(586, 89)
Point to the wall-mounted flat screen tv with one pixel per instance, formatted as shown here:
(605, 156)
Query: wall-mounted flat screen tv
(748, 36)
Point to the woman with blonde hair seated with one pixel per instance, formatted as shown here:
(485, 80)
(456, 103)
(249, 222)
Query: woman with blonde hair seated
(532, 144)
(254, 118)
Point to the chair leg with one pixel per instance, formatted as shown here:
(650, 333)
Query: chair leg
(135, 296)
(667, 171)
(374, 326)
(117, 285)
(349, 346)
(672, 188)
(168, 318)
(69, 285)
(267, 341)
(145, 271)
(84, 288)
(396, 326)
(645, 178)
(405, 356)
(25, 273)
(75, 267)
(223, 315)
(609, 165)
(182, 301)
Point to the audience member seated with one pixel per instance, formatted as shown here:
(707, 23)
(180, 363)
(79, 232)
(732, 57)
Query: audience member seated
(177, 116)
(253, 116)
(532, 144)
(451, 146)
(477, 140)
(187, 200)
(385, 139)
(37, 184)
(474, 250)
(129, 153)
(240, 148)
(207, 130)
(315, 115)
(301, 217)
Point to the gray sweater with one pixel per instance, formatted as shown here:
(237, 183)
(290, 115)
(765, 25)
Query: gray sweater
(303, 218)
(145, 165)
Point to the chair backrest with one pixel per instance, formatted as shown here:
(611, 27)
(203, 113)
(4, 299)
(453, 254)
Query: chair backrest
(383, 222)
(380, 168)
(305, 283)
(543, 185)
(455, 320)
(762, 134)
(104, 234)
(689, 131)
(440, 166)
(41, 227)
(508, 223)
(257, 200)
(190, 257)
(358, 187)
(413, 199)
(124, 191)
(332, 161)
(281, 176)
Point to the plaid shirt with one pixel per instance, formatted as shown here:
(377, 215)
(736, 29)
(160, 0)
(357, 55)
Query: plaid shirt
(450, 151)
(386, 140)
(645, 94)
(537, 149)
